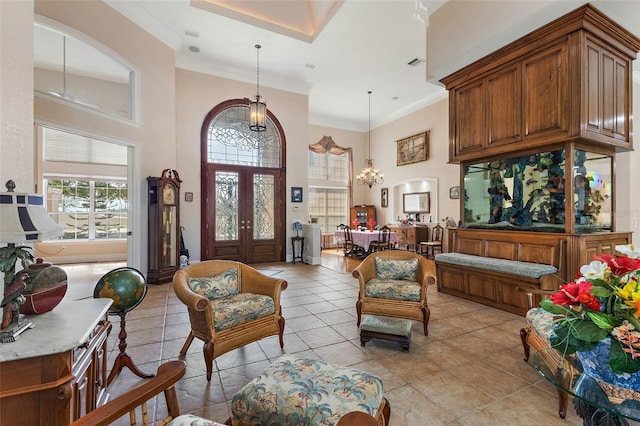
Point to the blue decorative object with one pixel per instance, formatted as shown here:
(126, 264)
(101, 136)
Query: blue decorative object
(596, 365)
(297, 226)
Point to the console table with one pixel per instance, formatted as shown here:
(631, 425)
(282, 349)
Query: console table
(591, 403)
(56, 372)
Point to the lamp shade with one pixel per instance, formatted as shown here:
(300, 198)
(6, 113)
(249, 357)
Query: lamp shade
(24, 219)
(258, 115)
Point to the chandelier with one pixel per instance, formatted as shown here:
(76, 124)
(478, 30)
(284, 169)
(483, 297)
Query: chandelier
(369, 175)
(258, 108)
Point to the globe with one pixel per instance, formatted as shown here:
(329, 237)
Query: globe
(125, 286)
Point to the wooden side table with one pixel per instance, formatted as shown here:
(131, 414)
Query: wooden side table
(300, 257)
(56, 372)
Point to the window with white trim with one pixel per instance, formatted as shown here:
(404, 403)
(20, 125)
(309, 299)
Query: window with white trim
(329, 189)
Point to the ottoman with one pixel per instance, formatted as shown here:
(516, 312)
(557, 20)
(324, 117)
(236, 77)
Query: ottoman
(297, 390)
(386, 328)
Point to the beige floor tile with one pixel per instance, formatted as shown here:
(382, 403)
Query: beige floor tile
(468, 371)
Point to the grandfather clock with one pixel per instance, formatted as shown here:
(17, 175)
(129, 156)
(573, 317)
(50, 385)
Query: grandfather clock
(164, 226)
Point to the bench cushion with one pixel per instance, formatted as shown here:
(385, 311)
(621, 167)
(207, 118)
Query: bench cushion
(387, 288)
(296, 391)
(513, 267)
(240, 308)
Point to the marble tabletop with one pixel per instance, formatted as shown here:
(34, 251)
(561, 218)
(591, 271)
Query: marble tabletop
(64, 328)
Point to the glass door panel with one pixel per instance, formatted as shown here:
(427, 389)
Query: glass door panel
(263, 207)
(226, 190)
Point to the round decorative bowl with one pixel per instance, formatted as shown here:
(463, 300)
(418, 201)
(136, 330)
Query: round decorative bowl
(46, 287)
(125, 286)
(618, 387)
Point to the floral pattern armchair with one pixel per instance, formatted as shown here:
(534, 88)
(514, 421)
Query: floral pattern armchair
(394, 283)
(230, 305)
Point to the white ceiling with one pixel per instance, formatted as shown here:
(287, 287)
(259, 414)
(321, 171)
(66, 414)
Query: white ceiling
(333, 50)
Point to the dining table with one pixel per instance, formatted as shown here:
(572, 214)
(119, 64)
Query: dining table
(364, 238)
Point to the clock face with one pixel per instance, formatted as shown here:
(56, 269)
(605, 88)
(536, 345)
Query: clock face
(169, 194)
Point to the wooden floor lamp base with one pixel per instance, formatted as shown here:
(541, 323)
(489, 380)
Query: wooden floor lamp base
(124, 359)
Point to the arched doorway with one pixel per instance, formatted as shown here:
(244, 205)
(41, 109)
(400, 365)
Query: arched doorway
(243, 186)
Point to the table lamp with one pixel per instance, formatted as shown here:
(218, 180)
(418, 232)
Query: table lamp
(23, 220)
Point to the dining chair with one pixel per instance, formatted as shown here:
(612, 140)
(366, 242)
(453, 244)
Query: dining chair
(340, 241)
(349, 246)
(427, 247)
(383, 242)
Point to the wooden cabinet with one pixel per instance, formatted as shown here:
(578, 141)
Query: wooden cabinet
(410, 236)
(545, 95)
(569, 79)
(164, 226)
(362, 214)
(607, 94)
(56, 372)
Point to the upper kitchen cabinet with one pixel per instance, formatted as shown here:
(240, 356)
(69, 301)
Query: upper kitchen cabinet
(568, 80)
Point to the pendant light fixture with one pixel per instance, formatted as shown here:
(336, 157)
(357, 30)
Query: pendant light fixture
(258, 108)
(369, 175)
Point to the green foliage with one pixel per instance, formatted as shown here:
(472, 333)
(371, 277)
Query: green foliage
(621, 361)
(566, 343)
(554, 309)
(8, 258)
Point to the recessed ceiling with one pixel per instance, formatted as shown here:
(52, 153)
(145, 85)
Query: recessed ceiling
(301, 19)
(334, 51)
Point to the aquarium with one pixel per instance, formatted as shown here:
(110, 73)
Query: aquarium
(529, 193)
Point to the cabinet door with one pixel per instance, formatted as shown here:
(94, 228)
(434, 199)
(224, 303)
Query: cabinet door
(468, 118)
(606, 97)
(504, 111)
(411, 236)
(545, 94)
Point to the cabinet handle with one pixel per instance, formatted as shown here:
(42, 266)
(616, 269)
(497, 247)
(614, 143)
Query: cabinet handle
(64, 393)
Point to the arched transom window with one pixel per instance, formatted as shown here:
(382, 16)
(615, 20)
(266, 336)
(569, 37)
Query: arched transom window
(230, 141)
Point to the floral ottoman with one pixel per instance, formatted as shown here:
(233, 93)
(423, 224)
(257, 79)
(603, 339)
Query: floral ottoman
(302, 391)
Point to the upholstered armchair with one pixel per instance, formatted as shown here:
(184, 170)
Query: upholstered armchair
(394, 283)
(230, 304)
(535, 335)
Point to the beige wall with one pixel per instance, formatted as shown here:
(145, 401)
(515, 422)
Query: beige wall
(196, 95)
(153, 137)
(434, 118)
(16, 94)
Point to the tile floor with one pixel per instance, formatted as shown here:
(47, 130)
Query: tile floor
(468, 371)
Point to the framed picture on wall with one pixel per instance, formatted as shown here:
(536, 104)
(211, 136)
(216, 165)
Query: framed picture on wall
(413, 149)
(454, 192)
(296, 194)
(384, 197)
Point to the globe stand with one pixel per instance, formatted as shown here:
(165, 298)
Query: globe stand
(127, 288)
(124, 359)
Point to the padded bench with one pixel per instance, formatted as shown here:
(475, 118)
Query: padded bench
(492, 281)
(386, 328)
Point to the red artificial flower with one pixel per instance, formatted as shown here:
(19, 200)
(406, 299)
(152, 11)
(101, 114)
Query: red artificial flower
(575, 294)
(619, 265)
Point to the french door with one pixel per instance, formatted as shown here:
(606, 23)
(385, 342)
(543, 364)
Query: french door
(241, 214)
